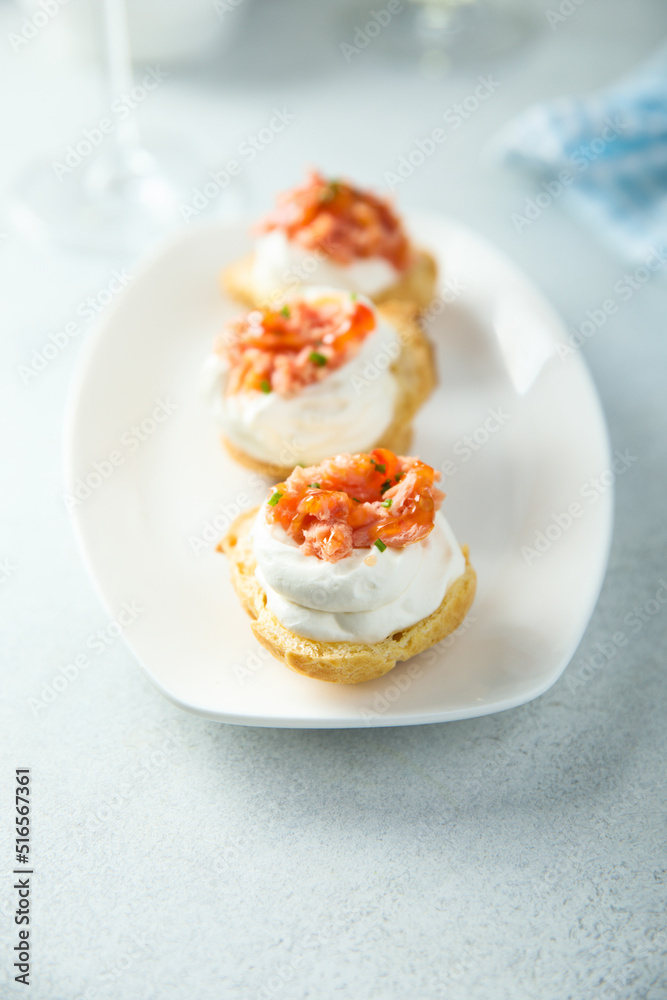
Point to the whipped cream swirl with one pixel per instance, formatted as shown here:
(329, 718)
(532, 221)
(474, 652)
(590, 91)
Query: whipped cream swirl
(348, 411)
(281, 264)
(365, 597)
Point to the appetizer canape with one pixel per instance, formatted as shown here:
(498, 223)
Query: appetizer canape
(327, 232)
(349, 566)
(326, 372)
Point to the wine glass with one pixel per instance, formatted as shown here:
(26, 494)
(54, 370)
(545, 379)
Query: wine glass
(109, 192)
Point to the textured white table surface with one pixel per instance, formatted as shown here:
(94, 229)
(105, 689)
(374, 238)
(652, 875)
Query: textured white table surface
(516, 856)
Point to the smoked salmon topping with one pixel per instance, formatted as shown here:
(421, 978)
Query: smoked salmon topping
(356, 501)
(284, 350)
(342, 221)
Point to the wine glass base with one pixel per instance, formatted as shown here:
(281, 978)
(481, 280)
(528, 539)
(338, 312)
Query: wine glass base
(445, 35)
(119, 202)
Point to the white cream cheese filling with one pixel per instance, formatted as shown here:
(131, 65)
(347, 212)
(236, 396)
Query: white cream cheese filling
(352, 601)
(281, 264)
(348, 411)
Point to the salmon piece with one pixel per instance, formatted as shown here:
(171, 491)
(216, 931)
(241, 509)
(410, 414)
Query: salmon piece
(330, 542)
(343, 221)
(351, 501)
(284, 351)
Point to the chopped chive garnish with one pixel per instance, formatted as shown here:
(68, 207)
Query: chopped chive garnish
(285, 311)
(387, 503)
(379, 468)
(354, 296)
(317, 358)
(398, 476)
(379, 544)
(315, 486)
(330, 191)
(265, 385)
(274, 499)
(355, 500)
(385, 486)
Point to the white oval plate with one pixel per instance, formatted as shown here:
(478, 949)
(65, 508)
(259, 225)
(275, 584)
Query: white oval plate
(516, 427)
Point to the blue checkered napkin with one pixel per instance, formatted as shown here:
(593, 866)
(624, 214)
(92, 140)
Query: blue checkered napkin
(610, 150)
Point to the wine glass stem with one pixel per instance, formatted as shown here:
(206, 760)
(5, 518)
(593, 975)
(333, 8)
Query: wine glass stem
(119, 70)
